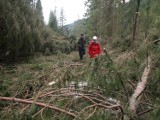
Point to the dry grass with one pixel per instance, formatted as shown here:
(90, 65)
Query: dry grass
(122, 57)
(33, 81)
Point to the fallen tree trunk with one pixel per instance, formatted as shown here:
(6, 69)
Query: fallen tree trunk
(140, 87)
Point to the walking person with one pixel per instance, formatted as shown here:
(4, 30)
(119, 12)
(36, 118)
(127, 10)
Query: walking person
(94, 48)
(81, 46)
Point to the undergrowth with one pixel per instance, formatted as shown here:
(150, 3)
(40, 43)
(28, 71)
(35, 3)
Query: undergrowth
(115, 75)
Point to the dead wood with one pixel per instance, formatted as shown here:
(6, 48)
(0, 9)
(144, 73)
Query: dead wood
(140, 87)
(38, 104)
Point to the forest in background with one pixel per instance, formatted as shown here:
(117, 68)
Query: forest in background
(123, 84)
(23, 31)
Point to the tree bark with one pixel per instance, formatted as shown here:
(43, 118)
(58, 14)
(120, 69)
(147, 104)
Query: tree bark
(140, 87)
(136, 20)
(147, 19)
(38, 104)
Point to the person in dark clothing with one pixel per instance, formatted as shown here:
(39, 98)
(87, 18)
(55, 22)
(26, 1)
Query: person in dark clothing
(81, 46)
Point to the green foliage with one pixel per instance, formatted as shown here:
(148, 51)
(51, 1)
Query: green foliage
(39, 10)
(21, 35)
(62, 21)
(3, 86)
(115, 20)
(55, 47)
(123, 45)
(24, 32)
(53, 23)
(99, 17)
(105, 76)
(76, 28)
(155, 114)
(37, 67)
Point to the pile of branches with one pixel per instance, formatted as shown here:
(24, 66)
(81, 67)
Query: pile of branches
(75, 103)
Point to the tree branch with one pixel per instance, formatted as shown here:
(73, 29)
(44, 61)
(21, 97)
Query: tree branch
(38, 104)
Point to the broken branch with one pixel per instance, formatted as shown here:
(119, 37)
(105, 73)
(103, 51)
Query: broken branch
(38, 104)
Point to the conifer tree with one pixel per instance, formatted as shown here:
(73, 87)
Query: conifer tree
(39, 9)
(22, 27)
(62, 21)
(53, 24)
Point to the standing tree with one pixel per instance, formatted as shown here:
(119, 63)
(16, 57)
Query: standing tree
(39, 10)
(100, 17)
(147, 18)
(136, 20)
(21, 28)
(32, 3)
(62, 21)
(53, 24)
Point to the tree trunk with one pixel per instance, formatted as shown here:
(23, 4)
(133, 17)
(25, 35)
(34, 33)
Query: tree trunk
(136, 20)
(134, 100)
(147, 20)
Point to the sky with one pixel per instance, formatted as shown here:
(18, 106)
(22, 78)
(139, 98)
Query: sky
(73, 9)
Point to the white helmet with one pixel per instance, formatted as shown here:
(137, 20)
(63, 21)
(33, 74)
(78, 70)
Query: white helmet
(94, 37)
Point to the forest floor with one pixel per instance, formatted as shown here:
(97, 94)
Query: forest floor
(39, 72)
(39, 75)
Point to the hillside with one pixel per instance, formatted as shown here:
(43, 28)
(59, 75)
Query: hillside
(76, 28)
(80, 89)
(41, 76)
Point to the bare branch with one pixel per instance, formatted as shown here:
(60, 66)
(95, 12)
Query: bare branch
(38, 104)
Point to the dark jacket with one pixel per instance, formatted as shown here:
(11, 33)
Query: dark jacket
(81, 43)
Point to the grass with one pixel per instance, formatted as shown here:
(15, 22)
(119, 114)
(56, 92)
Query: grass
(28, 79)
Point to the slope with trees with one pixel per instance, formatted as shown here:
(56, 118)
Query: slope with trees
(20, 35)
(122, 83)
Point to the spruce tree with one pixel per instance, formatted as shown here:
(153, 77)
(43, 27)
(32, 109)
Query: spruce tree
(62, 21)
(21, 28)
(52, 23)
(39, 9)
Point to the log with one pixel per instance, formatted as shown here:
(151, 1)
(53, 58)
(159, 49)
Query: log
(140, 87)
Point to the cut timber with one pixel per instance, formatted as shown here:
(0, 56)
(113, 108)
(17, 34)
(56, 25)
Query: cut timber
(140, 87)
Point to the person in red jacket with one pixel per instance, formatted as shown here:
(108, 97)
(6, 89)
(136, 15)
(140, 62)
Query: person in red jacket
(94, 48)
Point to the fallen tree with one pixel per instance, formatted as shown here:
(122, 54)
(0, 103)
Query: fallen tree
(140, 87)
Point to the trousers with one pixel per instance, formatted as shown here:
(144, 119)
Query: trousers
(81, 52)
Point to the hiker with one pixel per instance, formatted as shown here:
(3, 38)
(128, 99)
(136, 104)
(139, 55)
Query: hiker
(81, 46)
(94, 48)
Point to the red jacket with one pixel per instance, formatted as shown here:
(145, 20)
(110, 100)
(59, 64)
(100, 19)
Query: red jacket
(94, 49)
